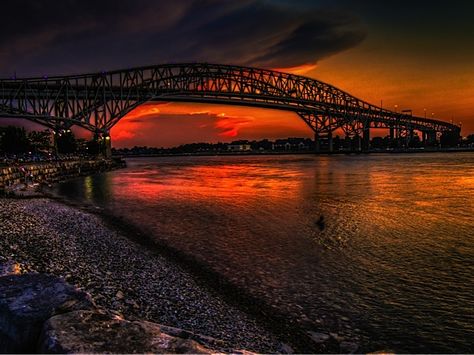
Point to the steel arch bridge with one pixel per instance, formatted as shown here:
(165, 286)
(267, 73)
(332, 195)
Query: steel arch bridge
(98, 101)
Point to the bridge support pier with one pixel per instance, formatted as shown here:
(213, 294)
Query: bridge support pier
(55, 141)
(358, 143)
(410, 136)
(431, 137)
(317, 143)
(366, 137)
(107, 146)
(330, 143)
(323, 142)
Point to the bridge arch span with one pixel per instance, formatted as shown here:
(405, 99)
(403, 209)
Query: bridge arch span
(98, 101)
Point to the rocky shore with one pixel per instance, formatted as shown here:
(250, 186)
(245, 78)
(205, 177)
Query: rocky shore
(120, 275)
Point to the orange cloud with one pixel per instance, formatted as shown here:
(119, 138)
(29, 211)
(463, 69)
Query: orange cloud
(200, 113)
(173, 124)
(124, 135)
(146, 110)
(299, 70)
(229, 125)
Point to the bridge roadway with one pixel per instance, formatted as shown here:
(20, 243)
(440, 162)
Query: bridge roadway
(98, 101)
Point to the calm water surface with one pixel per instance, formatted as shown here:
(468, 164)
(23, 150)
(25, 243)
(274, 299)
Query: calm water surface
(393, 264)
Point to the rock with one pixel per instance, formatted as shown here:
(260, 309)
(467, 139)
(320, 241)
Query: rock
(348, 347)
(337, 337)
(318, 337)
(10, 268)
(101, 332)
(382, 352)
(27, 301)
(286, 349)
(185, 334)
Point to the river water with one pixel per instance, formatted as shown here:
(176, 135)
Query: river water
(374, 247)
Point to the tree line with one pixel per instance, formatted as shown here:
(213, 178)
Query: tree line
(16, 140)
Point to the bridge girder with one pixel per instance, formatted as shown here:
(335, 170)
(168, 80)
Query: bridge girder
(98, 101)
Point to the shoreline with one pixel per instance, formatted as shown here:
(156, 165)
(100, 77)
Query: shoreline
(287, 330)
(283, 153)
(242, 321)
(43, 235)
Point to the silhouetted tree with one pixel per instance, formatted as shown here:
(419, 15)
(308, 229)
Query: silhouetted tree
(377, 143)
(93, 146)
(66, 142)
(415, 141)
(14, 140)
(469, 140)
(337, 143)
(449, 139)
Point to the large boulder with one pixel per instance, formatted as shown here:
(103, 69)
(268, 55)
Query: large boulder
(10, 267)
(27, 301)
(101, 332)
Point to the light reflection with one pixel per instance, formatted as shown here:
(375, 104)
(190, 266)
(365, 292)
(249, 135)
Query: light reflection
(88, 188)
(206, 182)
(397, 232)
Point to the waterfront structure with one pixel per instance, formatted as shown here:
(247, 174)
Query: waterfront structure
(98, 101)
(239, 146)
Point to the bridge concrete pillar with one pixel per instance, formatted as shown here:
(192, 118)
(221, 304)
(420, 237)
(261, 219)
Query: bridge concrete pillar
(392, 133)
(397, 136)
(107, 146)
(410, 136)
(366, 136)
(358, 143)
(330, 142)
(55, 141)
(317, 143)
(431, 135)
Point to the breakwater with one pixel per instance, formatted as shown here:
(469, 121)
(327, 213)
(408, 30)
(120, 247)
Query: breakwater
(11, 177)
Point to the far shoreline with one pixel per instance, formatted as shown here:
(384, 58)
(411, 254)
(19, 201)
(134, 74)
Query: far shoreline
(284, 153)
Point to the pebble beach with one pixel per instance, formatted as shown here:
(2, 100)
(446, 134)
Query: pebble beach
(46, 236)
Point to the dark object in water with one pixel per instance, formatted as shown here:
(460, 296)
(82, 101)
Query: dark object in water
(320, 223)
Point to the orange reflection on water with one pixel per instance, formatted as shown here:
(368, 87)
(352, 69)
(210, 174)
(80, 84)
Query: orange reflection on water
(209, 182)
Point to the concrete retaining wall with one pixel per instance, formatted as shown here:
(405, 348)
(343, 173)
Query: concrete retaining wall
(50, 172)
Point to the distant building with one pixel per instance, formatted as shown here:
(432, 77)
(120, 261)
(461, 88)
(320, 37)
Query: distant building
(293, 144)
(239, 147)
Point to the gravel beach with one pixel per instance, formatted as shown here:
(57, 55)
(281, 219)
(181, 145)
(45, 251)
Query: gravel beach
(121, 275)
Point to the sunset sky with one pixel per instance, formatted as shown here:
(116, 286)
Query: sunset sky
(415, 54)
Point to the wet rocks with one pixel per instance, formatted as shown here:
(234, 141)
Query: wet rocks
(333, 342)
(348, 347)
(319, 338)
(9, 267)
(122, 276)
(27, 301)
(42, 313)
(99, 332)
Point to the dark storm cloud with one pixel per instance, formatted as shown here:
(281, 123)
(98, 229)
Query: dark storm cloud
(55, 36)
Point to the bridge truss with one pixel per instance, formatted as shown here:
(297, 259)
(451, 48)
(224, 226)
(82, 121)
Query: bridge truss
(98, 101)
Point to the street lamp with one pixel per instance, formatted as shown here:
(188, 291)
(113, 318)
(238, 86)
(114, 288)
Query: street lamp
(424, 111)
